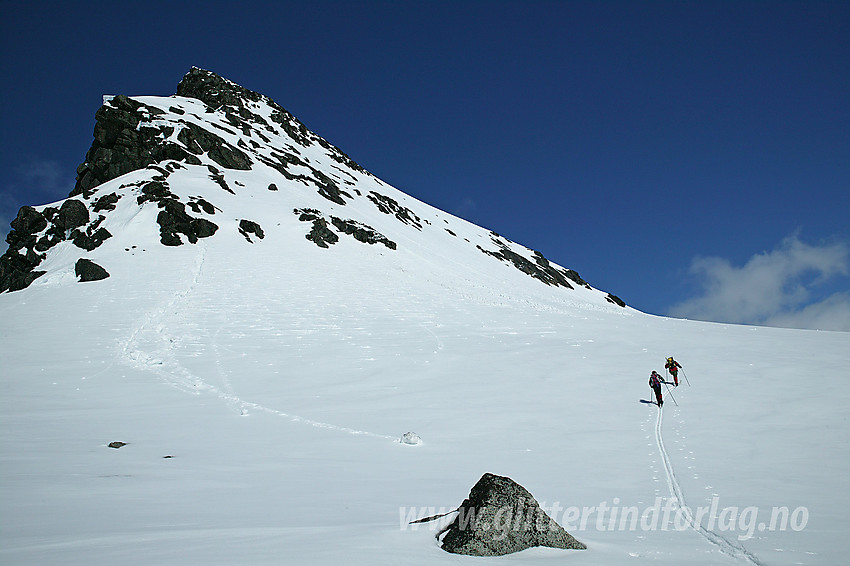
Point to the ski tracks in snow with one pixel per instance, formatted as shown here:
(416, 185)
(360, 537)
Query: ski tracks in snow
(246, 407)
(150, 347)
(723, 544)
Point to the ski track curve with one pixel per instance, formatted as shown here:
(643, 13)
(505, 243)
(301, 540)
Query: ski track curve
(735, 550)
(162, 361)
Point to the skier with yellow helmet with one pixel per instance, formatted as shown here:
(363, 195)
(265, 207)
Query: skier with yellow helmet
(673, 367)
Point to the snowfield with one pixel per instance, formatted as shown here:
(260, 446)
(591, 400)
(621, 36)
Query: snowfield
(262, 393)
(263, 387)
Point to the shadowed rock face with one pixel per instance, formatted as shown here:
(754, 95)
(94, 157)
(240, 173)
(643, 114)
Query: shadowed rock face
(501, 517)
(125, 141)
(121, 144)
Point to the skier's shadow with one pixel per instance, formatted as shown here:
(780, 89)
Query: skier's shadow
(648, 402)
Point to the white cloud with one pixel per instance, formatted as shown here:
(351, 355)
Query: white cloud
(773, 288)
(832, 313)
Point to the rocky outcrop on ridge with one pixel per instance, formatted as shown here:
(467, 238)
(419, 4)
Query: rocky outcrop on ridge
(35, 232)
(540, 268)
(388, 205)
(150, 154)
(322, 235)
(124, 141)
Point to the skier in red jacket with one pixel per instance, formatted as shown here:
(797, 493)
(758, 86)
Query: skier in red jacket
(673, 367)
(655, 383)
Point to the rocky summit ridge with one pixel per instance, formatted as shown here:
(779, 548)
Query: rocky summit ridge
(191, 162)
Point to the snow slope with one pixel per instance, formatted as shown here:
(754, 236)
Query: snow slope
(262, 387)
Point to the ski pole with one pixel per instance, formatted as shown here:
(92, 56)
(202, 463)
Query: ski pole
(670, 393)
(669, 375)
(685, 376)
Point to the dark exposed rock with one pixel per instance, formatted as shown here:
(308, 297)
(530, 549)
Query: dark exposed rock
(362, 232)
(501, 517)
(18, 271)
(198, 141)
(281, 162)
(117, 444)
(36, 232)
(388, 205)
(540, 268)
(18, 240)
(49, 239)
(198, 205)
(106, 202)
(121, 145)
(321, 235)
(558, 273)
(544, 273)
(339, 156)
(174, 220)
(615, 299)
(328, 188)
(129, 135)
(223, 129)
(28, 221)
(292, 126)
(213, 90)
(222, 95)
(216, 176)
(87, 270)
(155, 191)
(248, 227)
(307, 214)
(18, 263)
(90, 239)
(72, 214)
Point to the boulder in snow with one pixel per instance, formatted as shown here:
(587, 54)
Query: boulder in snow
(501, 517)
(87, 270)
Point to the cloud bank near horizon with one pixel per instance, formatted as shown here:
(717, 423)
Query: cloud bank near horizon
(775, 288)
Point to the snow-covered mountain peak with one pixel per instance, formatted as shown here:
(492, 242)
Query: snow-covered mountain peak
(217, 161)
(232, 345)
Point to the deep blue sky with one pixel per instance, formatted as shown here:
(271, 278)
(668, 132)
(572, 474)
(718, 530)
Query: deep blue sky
(622, 139)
